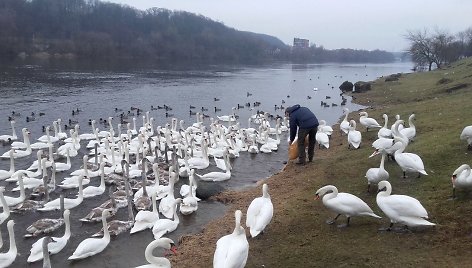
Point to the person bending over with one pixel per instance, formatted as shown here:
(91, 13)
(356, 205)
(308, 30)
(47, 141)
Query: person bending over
(307, 124)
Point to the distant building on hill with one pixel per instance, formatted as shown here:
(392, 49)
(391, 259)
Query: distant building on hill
(299, 43)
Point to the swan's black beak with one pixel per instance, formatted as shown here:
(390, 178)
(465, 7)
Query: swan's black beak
(453, 178)
(382, 189)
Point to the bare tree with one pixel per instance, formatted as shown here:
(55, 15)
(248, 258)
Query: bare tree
(427, 49)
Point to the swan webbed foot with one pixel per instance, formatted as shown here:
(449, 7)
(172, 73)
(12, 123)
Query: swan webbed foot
(385, 229)
(333, 220)
(401, 230)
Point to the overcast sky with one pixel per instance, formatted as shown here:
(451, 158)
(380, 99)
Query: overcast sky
(359, 24)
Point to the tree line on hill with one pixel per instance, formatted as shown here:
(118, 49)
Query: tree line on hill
(91, 29)
(438, 47)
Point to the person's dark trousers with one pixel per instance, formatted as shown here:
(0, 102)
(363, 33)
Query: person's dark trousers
(302, 133)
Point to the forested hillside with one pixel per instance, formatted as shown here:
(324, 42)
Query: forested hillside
(93, 29)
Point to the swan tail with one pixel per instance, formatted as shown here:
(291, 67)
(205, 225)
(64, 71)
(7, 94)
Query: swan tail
(373, 215)
(411, 221)
(423, 172)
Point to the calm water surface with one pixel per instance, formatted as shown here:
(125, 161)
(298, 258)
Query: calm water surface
(56, 90)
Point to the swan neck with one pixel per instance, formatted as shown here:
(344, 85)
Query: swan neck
(382, 162)
(176, 216)
(22, 186)
(386, 121)
(46, 260)
(6, 209)
(106, 234)
(11, 233)
(154, 203)
(159, 261)
(67, 223)
(12, 163)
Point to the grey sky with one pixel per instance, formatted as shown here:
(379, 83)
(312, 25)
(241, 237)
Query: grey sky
(359, 24)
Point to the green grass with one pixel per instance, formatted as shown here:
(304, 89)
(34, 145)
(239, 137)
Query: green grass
(298, 236)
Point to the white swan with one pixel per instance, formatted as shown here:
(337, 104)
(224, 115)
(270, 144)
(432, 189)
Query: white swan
(385, 132)
(344, 125)
(410, 131)
(185, 188)
(190, 203)
(260, 212)
(323, 127)
(343, 204)
(22, 144)
(389, 146)
(166, 206)
(466, 135)
(36, 163)
(68, 202)
(200, 162)
(47, 137)
(408, 162)
(374, 175)
(6, 210)
(253, 148)
(12, 137)
(217, 176)
(401, 209)
(461, 178)
(93, 246)
(5, 174)
(92, 191)
(367, 121)
(164, 226)
(60, 167)
(54, 247)
(322, 138)
(158, 262)
(6, 259)
(232, 250)
(145, 219)
(19, 153)
(13, 201)
(354, 137)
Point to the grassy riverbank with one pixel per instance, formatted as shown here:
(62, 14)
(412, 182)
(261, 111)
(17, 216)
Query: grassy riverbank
(298, 235)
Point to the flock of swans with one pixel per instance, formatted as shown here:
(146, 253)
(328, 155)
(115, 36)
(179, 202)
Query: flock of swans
(391, 143)
(142, 166)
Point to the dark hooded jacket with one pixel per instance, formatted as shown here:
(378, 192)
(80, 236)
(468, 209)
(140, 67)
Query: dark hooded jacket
(301, 117)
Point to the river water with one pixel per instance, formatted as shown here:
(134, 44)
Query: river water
(56, 89)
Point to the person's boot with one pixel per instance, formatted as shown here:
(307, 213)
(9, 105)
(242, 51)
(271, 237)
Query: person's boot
(300, 162)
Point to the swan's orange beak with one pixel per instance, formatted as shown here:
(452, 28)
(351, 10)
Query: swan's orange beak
(376, 152)
(173, 249)
(317, 197)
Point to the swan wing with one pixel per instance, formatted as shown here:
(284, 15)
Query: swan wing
(347, 204)
(253, 211)
(403, 206)
(89, 247)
